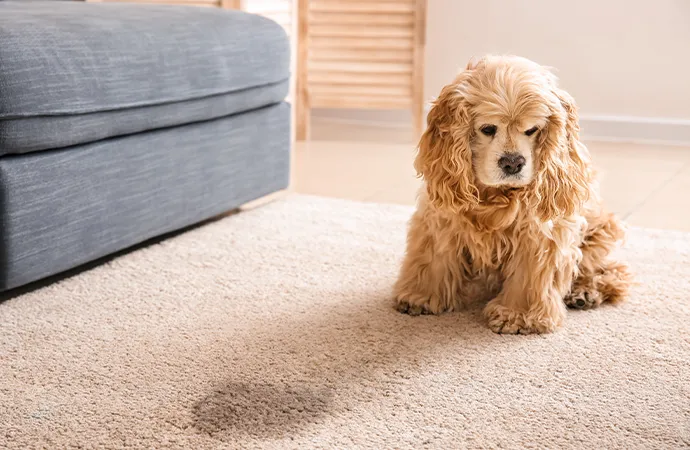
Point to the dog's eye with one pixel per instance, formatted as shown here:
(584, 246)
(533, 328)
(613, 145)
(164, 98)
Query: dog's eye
(531, 131)
(488, 130)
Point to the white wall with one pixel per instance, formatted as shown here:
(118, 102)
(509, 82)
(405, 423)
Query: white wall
(616, 57)
(626, 62)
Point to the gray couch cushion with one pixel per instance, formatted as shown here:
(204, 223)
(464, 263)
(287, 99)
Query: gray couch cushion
(29, 134)
(62, 208)
(83, 67)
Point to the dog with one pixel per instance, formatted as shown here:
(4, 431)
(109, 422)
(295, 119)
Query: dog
(508, 213)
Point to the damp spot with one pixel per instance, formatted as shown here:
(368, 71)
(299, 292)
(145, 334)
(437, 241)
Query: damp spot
(261, 410)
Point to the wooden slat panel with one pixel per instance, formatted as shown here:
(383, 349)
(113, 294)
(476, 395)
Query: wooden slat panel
(338, 18)
(362, 67)
(326, 54)
(368, 102)
(362, 30)
(354, 43)
(363, 53)
(360, 78)
(325, 90)
(373, 7)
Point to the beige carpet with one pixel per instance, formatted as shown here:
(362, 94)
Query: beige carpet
(273, 329)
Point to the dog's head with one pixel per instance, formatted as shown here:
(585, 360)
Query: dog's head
(504, 124)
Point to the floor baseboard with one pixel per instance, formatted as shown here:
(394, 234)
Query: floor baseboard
(650, 130)
(636, 129)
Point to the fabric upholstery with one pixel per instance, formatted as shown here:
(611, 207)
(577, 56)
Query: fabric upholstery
(30, 134)
(63, 208)
(81, 67)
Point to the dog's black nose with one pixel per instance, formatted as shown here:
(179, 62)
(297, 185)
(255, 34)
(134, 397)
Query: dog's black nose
(511, 163)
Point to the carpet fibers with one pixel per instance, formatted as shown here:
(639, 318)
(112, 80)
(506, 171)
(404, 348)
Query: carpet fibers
(273, 328)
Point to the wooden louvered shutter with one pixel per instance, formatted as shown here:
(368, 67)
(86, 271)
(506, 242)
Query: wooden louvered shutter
(364, 54)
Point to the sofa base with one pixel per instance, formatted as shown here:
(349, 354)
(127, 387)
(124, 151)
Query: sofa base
(60, 209)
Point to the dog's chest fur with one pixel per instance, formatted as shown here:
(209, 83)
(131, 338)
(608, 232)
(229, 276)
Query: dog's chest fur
(484, 243)
(476, 254)
(482, 262)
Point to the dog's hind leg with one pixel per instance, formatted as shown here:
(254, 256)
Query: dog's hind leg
(600, 279)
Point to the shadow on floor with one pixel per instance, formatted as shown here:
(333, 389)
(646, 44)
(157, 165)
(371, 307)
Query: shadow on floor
(22, 290)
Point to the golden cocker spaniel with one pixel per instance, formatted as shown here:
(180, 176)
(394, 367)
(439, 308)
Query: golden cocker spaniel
(509, 211)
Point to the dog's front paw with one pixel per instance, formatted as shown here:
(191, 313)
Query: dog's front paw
(504, 320)
(415, 305)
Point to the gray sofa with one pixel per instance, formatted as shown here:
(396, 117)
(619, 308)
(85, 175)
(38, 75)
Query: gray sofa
(122, 122)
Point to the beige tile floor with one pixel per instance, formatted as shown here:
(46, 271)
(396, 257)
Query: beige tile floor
(646, 185)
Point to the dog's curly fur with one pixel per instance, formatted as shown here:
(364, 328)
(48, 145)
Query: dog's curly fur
(529, 244)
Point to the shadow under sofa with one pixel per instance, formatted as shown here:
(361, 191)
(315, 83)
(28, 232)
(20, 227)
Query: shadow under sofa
(122, 122)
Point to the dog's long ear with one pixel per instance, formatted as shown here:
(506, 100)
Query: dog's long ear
(564, 176)
(444, 157)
